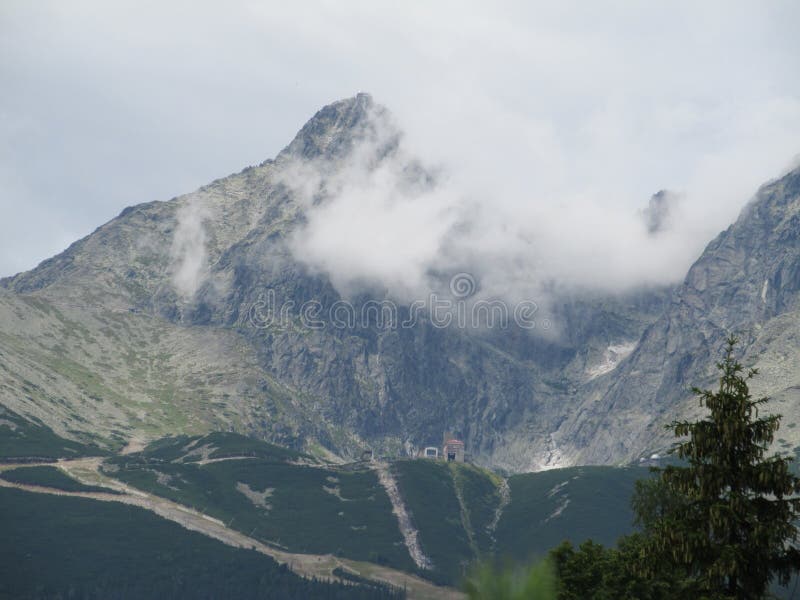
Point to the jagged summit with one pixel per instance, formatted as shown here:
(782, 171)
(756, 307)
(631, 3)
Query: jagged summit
(747, 282)
(658, 212)
(334, 129)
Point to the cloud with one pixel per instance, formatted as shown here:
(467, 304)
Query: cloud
(188, 251)
(391, 225)
(549, 125)
(371, 218)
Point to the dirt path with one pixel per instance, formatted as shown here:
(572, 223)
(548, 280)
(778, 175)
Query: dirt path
(12, 466)
(407, 529)
(209, 461)
(86, 470)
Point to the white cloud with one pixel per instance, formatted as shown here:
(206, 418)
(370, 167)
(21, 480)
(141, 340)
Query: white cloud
(554, 123)
(188, 252)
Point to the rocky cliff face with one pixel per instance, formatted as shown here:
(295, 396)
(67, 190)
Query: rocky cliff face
(172, 329)
(746, 282)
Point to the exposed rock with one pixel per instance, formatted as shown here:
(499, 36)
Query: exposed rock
(659, 211)
(746, 282)
(259, 499)
(215, 365)
(409, 532)
(115, 339)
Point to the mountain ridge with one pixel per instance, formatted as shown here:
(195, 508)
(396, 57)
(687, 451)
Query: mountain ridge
(521, 402)
(745, 282)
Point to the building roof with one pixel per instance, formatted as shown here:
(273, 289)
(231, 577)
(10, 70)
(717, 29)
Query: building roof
(454, 443)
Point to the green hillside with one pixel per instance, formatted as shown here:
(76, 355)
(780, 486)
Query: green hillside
(462, 513)
(217, 445)
(575, 503)
(298, 503)
(480, 493)
(50, 477)
(429, 493)
(544, 509)
(22, 439)
(58, 547)
(271, 495)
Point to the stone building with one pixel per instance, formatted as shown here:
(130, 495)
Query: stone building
(452, 448)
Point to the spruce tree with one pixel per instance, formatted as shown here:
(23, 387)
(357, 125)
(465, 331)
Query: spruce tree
(734, 530)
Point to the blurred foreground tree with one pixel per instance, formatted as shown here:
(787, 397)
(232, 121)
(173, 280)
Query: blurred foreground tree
(534, 583)
(594, 571)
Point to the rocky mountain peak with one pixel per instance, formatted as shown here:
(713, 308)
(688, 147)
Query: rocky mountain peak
(746, 282)
(102, 341)
(336, 128)
(658, 212)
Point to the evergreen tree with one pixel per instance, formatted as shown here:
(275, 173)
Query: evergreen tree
(734, 528)
(594, 571)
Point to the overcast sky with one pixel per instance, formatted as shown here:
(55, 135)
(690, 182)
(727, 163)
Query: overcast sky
(586, 107)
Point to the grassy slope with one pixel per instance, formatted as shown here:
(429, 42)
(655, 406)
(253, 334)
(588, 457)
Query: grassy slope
(545, 509)
(21, 438)
(313, 507)
(51, 477)
(479, 491)
(221, 445)
(352, 517)
(574, 504)
(429, 494)
(108, 374)
(72, 547)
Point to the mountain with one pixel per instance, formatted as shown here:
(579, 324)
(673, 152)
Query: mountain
(146, 327)
(159, 323)
(314, 516)
(746, 282)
